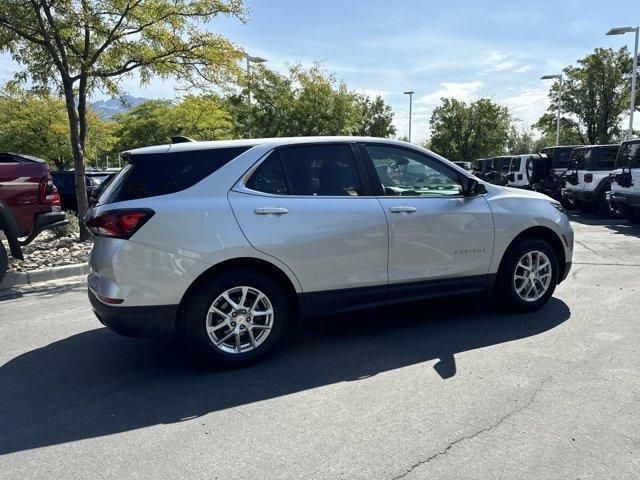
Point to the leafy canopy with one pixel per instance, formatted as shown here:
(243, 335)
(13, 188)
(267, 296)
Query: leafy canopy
(595, 98)
(461, 131)
(37, 124)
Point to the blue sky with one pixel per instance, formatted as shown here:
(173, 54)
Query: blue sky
(463, 49)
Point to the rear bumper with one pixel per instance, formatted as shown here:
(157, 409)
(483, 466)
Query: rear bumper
(45, 221)
(623, 198)
(138, 322)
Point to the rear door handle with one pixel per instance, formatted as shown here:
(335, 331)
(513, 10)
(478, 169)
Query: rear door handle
(270, 211)
(402, 209)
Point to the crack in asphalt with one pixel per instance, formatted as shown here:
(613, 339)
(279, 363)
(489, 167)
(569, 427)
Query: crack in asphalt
(501, 420)
(588, 248)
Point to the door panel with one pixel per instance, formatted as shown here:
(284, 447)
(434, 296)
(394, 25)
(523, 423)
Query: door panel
(443, 237)
(329, 243)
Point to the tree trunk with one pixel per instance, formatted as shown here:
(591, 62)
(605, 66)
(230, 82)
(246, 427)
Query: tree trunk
(78, 156)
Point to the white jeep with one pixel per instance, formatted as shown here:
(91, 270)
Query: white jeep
(590, 178)
(625, 185)
(525, 170)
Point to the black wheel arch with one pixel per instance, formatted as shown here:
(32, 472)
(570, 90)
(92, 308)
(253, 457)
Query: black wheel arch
(259, 265)
(540, 232)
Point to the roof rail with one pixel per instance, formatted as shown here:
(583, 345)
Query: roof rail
(181, 139)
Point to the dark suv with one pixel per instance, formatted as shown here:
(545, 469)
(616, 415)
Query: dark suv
(65, 181)
(29, 202)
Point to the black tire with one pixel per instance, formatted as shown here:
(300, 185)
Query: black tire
(568, 203)
(631, 214)
(605, 208)
(505, 290)
(198, 304)
(4, 262)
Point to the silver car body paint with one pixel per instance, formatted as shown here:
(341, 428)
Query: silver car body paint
(322, 243)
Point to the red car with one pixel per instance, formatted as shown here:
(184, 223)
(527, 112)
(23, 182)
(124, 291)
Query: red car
(29, 203)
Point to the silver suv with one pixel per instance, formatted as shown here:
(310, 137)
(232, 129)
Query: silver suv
(228, 243)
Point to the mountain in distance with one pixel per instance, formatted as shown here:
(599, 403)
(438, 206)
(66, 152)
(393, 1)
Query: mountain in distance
(106, 109)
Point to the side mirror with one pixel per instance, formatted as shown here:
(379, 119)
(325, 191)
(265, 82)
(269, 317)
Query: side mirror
(469, 186)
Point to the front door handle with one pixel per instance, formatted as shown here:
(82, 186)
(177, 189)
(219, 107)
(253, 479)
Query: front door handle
(270, 211)
(402, 209)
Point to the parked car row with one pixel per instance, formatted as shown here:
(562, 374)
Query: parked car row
(589, 178)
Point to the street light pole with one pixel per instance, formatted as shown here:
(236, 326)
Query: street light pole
(559, 78)
(632, 102)
(410, 93)
(249, 60)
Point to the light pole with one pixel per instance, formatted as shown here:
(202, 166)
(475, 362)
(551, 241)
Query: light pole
(632, 103)
(250, 59)
(410, 93)
(559, 78)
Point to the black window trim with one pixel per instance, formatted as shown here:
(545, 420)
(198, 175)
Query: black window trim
(373, 174)
(367, 189)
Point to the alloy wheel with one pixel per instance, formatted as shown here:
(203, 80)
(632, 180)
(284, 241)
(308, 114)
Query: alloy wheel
(239, 319)
(532, 276)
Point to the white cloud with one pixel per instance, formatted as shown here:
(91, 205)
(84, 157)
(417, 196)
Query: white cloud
(524, 69)
(460, 90)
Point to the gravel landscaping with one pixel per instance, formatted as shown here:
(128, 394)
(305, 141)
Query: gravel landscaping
(53, 249)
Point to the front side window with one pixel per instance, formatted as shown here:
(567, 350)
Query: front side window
(604, 158)
(578, 159)
(308, 170)
(403, 172)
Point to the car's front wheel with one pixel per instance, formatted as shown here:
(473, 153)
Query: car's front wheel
(527, 276)
(235, 317)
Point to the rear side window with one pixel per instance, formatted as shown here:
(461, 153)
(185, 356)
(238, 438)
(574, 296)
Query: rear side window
(269, 177)
(515, 164)
(150, 175)
(309, 170)
(629, 155)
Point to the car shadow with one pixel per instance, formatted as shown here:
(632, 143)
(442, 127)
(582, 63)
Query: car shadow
(97, 383)
(618, 225)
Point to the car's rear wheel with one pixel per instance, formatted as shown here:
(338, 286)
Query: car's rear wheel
(4, 262)
(236, 317)
(528, 275)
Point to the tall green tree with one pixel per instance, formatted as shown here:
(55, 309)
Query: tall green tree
(201, 117)
(306, 102)
(595, 98)
(461, 131)
(80, 45)
(520, 141)
(37, 124)
(376, 118)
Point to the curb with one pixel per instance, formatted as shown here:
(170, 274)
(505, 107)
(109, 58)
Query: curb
(26, 278)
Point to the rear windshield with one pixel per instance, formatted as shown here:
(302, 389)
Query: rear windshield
(559, 156)
(597, 158)
(629, 155)
(150, 175)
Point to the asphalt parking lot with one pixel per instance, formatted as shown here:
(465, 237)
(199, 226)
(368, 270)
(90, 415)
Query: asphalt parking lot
(450, 389)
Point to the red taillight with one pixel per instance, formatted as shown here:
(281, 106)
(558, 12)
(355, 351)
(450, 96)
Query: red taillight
(588, 177)
(47, 191)
(118, 223)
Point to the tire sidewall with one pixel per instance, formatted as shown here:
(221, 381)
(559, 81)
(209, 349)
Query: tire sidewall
(198, 303)
(506, 288)
(4, 261)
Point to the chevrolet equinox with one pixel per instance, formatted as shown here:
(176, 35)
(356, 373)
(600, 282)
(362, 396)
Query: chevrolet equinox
(226, 243)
